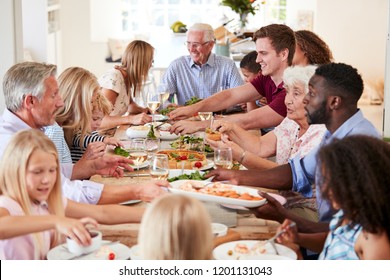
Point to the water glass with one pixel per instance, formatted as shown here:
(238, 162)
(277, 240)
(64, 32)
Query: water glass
(159, 167)
(223, 158)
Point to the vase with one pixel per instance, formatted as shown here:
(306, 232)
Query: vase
(243, 20)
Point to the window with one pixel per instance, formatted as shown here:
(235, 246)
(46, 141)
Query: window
(127, 18)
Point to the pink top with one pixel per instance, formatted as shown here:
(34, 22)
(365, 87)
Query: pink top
(289, 145)
(22, 247)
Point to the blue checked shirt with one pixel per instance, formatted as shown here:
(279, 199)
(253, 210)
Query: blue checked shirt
(186, 79)
(304, 170)
(340, 243)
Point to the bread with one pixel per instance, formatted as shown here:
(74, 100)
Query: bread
(213, 135)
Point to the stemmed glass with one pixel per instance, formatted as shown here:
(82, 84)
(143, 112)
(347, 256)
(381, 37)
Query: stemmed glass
(153, 102)
(223, 158)
(152, 146)
(159, 167)
(206, 116)
(164, 93)
(137, 153)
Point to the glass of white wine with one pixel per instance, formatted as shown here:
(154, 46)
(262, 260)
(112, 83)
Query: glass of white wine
(153, 102)
(164, 93)
(152, 146)
(205, 116)
(137, 153)
(159, 167)
(223, 158)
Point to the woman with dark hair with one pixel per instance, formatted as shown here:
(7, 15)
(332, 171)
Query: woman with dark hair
(356, 180)
(310, 49)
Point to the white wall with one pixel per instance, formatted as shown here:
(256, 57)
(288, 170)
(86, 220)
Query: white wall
(10, 39)
(356, 31)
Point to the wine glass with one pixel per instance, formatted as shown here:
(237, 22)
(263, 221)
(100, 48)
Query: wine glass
(223, 158)
(137, 153)
(159, 167)
(164, 93)
(153, 102)
(152, 146)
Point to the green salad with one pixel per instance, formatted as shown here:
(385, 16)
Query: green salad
(192, 176)
(193, 100)
(187, 142)
(121, 152)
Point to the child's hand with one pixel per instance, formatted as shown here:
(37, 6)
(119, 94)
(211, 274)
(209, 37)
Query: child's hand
(76, 229)
(112, 141)
(290, 235)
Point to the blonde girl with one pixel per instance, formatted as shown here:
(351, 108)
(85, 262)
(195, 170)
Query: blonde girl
(34, 216)
(122, 84)
(183, 230)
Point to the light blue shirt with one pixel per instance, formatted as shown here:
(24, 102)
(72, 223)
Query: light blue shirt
(304, 170)
(187, 79)
(56, 134)
(83, 191)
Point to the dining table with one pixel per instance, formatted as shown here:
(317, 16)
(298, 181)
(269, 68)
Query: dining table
(243, 225)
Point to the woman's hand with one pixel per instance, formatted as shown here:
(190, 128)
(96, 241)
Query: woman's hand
(151, 189)
(76, 229)
(139, 119)
(112, 141)
(226, 143)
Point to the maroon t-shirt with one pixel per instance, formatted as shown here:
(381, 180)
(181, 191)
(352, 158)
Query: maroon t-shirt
(274, 95)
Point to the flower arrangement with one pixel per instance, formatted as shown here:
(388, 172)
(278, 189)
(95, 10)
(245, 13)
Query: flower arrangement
(243, 8)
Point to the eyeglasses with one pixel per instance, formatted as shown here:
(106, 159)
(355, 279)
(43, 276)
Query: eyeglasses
(195, 45)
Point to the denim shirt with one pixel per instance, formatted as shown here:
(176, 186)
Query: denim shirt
(304, 171)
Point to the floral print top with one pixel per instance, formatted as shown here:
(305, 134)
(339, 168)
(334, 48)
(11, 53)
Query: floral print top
(290, 145)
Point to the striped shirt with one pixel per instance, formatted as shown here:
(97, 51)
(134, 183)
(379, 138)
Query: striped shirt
(78, 150)
(340, 243)
(56, 134)
(187, 79)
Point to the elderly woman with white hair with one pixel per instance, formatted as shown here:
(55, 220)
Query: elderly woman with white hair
(292, 137)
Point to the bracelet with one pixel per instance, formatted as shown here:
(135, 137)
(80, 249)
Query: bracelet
(242, 157)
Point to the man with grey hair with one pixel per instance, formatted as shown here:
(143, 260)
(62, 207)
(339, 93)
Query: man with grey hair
(32, 100)
(201, 73)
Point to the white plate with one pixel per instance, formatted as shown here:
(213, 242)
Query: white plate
(282, 200)
(134, 253)
(143, 165)
(166, 135)
(219, 199)
(159, 117)
(207, 166)
(221, 252)
(122, 252)
(129, 202)
(137, 132)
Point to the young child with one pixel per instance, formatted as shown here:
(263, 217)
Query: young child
(250, 69)
(34, 216)
(356, 180)
(183, 230)
(95, 142)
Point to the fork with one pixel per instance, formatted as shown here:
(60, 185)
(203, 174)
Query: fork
(272, 240)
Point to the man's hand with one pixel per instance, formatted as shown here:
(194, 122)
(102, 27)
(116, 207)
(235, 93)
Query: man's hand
(139, 119)
(272, 210)
(94, 150)
(224, 175)
(187, 127)
(151, 189)
(181, 113)
(111, 165)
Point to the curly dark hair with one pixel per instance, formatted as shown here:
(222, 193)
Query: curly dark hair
(315, 49)
(249, 62)
(356, 172)
(281, 36)
(342, 79)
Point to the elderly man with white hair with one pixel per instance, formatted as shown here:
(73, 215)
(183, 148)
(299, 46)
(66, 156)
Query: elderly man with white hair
(201, 73)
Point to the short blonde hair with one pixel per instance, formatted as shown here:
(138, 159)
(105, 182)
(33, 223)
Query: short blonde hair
(77, 87)
(101, 103)
(176, 227)
(13, 167)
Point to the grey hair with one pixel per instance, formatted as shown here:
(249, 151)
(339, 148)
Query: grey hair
(298, 74)
(23, 79)
(206, 28)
